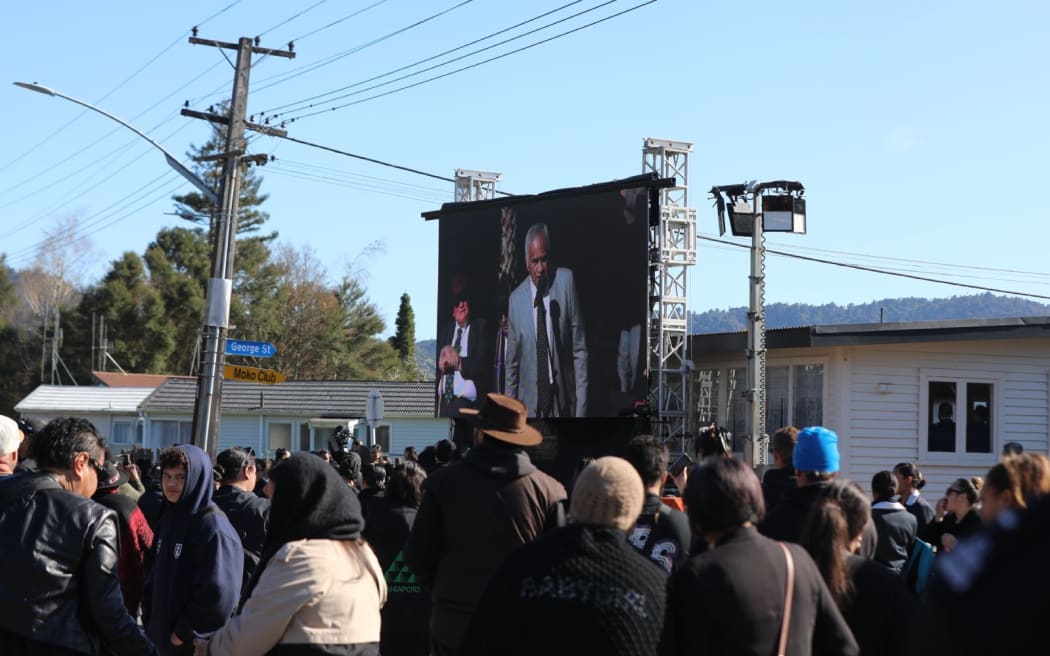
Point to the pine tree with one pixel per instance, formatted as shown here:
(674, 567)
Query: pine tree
(404, 339)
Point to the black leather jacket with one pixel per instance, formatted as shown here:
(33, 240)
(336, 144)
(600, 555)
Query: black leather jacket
(59, 591)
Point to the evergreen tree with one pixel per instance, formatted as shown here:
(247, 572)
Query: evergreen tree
(137, 319)
(366, 356)
(252, 308)
(404, 339)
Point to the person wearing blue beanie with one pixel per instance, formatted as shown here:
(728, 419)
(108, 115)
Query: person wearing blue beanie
(816, 462)
(816, 452)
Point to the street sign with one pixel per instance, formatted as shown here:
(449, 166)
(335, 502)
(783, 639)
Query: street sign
(252, 375)
(254, 349)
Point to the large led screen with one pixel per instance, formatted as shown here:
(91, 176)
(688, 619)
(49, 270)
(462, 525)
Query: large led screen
(543, 298)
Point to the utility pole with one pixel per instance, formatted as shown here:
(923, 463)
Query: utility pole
(207, 410)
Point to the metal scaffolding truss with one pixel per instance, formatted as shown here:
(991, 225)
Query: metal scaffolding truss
(475, 185)
(672, 250)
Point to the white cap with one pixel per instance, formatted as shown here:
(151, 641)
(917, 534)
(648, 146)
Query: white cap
(10, 436)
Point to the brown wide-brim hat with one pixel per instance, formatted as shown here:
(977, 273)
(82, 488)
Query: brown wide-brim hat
(503, 417)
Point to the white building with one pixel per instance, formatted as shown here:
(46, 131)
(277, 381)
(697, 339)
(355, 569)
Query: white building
(881, 388)
(296, 415)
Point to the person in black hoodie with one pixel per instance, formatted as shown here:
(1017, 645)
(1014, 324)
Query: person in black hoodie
(247, 512)
(406, 615)
(660, 532)
(318, 587)
(874, 601)
(198, 560)
(909, 481)
(894, 525)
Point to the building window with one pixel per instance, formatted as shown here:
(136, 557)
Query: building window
(794, 397)
(382, 435)
(278, 436)
(959, 415)
(166, 432)
(123, 432)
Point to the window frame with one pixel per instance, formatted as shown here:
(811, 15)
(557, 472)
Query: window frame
(133, 431)
(293, 435)
(960, 378)
(724, 399)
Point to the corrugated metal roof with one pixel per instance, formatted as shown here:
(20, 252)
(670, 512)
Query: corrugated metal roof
(52, 399)
(329, 398)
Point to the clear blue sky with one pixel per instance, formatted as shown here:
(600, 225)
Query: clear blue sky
(919, 129)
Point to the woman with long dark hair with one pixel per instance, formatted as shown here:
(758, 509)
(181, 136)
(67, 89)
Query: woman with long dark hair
(872, 598)
(318, 587)
(732, 599)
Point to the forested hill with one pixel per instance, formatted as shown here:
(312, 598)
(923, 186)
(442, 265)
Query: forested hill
(784, 315)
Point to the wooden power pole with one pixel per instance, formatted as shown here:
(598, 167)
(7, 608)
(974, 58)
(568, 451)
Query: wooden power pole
(207, 410)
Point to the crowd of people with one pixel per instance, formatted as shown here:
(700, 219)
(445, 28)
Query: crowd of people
(478, 551)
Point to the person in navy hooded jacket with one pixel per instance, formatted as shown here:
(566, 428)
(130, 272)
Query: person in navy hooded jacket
(198, 560)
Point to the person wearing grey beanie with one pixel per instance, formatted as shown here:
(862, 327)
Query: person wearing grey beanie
(582, 588)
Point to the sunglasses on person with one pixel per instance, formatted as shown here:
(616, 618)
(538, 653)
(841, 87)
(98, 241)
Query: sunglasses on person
(952, 491)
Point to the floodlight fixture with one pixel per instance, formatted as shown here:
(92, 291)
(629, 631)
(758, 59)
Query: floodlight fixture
(779, 203)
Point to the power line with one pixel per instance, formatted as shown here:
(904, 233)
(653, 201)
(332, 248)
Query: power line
(441, 54)
(860, 267)
(95, 224)
(336, 22)
(73, 120)
(369, 159)
(284, 77)
(359, 186)
(929, 263)
(292, 17)
(304, 166)
(474, 65)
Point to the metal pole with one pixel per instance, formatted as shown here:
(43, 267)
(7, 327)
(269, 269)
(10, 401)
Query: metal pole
(208, 409)
(757, 342)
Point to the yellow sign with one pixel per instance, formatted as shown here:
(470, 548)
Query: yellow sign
(252, 375)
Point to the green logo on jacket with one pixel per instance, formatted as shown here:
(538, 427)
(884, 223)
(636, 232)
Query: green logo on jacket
(399, 578)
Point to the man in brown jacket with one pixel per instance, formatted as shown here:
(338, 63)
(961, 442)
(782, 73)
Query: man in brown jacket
(475, 512)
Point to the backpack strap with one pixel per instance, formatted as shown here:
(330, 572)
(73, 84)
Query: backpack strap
(661, 512)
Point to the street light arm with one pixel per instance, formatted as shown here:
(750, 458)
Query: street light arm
(174, 163)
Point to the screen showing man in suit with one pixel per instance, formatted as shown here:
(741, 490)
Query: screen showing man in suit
(558, 298)
(546, 341)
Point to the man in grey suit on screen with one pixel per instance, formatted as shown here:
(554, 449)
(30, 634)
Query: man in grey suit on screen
(546, 346)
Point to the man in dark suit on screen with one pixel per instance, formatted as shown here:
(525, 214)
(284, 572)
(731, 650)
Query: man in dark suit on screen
(463, 359)
(546, 345)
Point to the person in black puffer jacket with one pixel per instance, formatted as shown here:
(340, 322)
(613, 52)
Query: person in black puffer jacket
(581, 589)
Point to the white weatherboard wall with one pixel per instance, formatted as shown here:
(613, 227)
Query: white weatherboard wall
(872, 399)
(418, 432)
(884, 426)
(240, 431)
